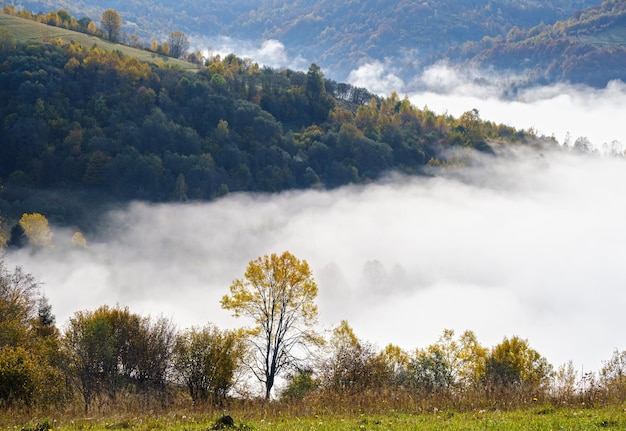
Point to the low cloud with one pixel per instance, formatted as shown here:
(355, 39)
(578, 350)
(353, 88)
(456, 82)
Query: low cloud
(269, 52)
(377, 78)
(563, 111)
(531, 248)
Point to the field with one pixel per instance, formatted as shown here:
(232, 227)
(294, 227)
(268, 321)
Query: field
(610, 37)
(27, 31)
(534, 418)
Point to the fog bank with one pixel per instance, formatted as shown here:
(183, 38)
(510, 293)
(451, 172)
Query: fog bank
(566, 112)
(533, 248)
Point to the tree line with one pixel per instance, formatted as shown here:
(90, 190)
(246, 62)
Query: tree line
(109, 356)
(103, 126)
(111, 28)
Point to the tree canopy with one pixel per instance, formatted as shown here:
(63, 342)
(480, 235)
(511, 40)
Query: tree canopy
(278, 294)
(107, 127)
(112, 24)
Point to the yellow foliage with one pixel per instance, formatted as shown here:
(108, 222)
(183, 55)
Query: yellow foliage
(277, 293)
(344, 336)
(465, 356)
(37, 230)
(79, 240)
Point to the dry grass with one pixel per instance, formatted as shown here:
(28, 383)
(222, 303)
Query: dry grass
(27, 31)
(391, 409)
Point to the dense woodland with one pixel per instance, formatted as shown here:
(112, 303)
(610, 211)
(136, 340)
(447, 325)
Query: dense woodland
(98, 123)
(338, 36)
(588, 48)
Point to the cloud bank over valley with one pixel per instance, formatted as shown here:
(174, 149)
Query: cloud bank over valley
(563, 111)
(531, 247)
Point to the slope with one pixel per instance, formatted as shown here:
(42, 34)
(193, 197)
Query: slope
(336, 35)
(588, 48)
(27, 32)
(80, 124)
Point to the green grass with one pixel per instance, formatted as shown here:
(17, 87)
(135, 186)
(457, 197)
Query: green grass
(548, 418)
(27, 31)
(610, 37)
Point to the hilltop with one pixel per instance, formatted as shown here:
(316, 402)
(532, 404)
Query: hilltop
(28, 32)
(89, 122)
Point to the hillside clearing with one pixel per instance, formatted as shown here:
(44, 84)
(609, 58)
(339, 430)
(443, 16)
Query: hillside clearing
(27, 31)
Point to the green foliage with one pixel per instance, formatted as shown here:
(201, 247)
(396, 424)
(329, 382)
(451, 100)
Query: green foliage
(299, 384)
(99, 121)
(114, 350)
(206, 361)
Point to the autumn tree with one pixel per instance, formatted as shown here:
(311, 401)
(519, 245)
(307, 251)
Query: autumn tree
(613, 374)
(278, 293)
(513, 361)
(353, 365)
(178, 43)
(37, 230)
(111, 21)
(29, 359)
(206, 361)
(110, 349)
(464, 356)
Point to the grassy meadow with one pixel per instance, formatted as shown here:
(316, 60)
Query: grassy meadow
(27, 31)
(535, 418)
(610, 37)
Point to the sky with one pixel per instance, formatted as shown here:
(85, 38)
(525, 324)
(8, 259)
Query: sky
(532, 247)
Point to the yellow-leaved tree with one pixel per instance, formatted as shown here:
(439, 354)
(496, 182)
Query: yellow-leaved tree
(111, 22)
(278, 293)
(37, 230)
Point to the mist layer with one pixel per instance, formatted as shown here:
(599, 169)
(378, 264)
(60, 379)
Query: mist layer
(532, 247)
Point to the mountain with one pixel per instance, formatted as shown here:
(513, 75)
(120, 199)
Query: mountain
(588, 48)
(86, 123)
(338, 36)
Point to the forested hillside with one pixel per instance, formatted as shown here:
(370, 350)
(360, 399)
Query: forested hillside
(336, 35)
(83, 119)
(588, 48)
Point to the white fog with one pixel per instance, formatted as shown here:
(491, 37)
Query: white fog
(533, 247)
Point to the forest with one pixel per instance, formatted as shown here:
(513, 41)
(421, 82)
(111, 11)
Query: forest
(588, 48)
(111, 360)
(105, 127)
(337, 36)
